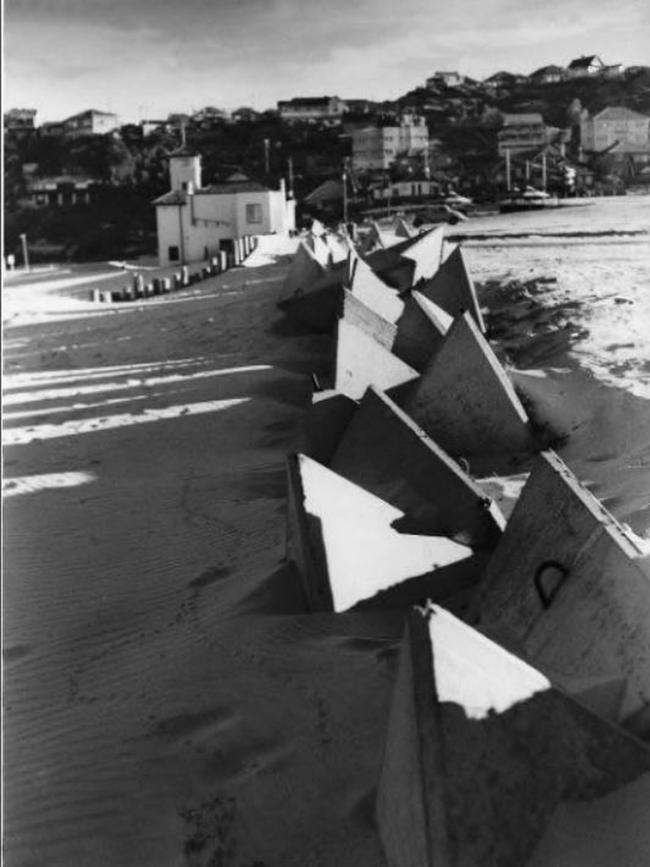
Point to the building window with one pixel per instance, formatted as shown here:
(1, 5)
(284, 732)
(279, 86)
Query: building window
(173, 254)
(253, 213)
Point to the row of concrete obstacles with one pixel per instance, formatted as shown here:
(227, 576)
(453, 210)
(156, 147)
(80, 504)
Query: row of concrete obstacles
(140, 289)
(521, 704)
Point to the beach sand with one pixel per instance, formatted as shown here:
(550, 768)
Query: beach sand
(167, 699)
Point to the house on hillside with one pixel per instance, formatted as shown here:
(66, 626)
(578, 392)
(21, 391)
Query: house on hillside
(521, 132)
(447, 79)
(52, 129)
(245, 115)
(417, 188)
(90, 122)
(60, 191)
(548, 75)
(378, 145)
(326, 109)
(583, 67)
(360, 106)
(623, 130)
(194, 222)
(613, 70)
(503, 81)
(20, 122)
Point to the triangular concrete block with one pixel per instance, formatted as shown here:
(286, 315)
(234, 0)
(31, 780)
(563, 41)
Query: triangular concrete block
(391, 265)
(317, 228)
(362, 361)
(481, 751)
(425, 252)
(420, 330)
(606, 832)
(464, 400)
(571, 585)
(318, 307)
(339, 246)
(452, 288)
(303, 272)
(341, 539)
(356, 313)
(402, 229)
(369, 288)
(384, 451)
(328, 416)
(321, 250)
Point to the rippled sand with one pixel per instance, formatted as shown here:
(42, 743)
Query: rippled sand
(167, 701)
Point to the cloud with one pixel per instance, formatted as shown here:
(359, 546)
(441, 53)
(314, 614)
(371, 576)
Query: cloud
(165, 54)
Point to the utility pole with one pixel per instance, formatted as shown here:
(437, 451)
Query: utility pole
(527, 170)
(290, 162)
(267, 164)
(508, 184)
(544, 171)
(23, 241)
(344, 178)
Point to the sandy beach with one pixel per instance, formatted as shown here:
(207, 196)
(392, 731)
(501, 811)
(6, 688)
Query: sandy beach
(167, 699)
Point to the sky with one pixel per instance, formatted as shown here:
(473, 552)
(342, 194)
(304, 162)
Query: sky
(147, 58)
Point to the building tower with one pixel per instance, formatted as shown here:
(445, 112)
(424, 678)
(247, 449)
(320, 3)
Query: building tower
(185, 169)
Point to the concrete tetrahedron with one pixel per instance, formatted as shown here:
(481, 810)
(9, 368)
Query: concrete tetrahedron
(355, 312)
(384, 451)
(402, 229)
(303, 272)
(328, 416)
(571, 586)
(452, 288)
(343, 543)
(317, 307)
(481, 751)
(425, 252)
(365, 285)
(464, 400)
(420, 330)
(362, 361)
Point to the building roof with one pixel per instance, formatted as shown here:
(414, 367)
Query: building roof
(533, 117)
(584, 62)
(328, 191)
(619, 112)
(91, 111)
(544, 70)
(175, 197)
(308, 100)
(231, 187)
(183, 151)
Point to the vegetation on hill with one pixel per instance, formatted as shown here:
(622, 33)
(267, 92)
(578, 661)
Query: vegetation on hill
(129, 170)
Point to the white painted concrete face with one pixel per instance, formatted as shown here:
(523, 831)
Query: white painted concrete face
(426, 252)
(362, 361)
(365, 555)
(321, 251)
(374, 293)
(474, 672)
(440, 318)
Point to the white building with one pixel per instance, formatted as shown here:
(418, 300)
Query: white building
(91, 122)
(447, 79)
(327, 109)
(378, 146)
(194, 222)
(617, 128)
